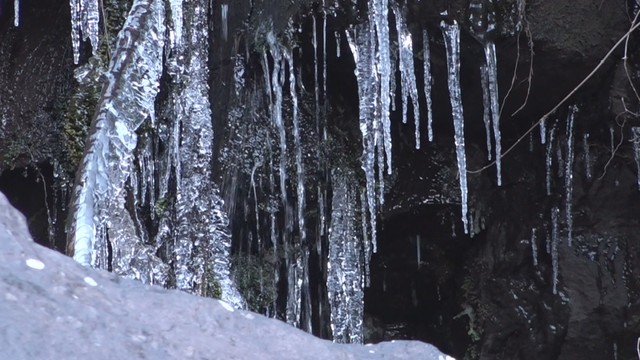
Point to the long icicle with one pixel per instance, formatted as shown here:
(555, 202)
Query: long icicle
(451, 34)
(427, 81)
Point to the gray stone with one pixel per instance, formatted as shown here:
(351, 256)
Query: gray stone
(53, 308)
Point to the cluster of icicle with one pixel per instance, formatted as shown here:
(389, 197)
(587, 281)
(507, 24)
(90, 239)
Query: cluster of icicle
(102, 232)
(127, 100)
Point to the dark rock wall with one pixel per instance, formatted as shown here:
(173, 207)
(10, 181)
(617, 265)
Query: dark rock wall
(475, 297)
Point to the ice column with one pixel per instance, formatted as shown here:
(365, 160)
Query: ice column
(427, 81)
(345, 263)
(451, 33)
(97, 213)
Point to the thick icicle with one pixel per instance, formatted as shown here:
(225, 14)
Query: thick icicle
(345, 263)
(362, 49)
(568, 175)
(383, 64)
(636, 149)
(85, 18)
(277, 82)
(492, 80)
(486, 102)
(451, 33)
(302, 275)
(201, 242)
(407, 70)
(127, 100)
(543, 131)
(427, 81)
(554, 248)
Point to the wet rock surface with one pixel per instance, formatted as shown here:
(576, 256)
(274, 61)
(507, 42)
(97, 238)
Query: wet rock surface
(53, 308)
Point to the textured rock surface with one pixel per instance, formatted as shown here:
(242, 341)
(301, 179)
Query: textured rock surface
(53, 308)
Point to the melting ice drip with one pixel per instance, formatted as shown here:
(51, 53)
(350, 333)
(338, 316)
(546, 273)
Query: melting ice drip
(451, 33)
(345, 264)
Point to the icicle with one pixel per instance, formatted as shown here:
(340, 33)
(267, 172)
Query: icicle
(314, 40)
(298, 149)
(85, 18)
(176, 19)
(486, 102)
(324, 56)
(381, 22)
(534, 247)
(549, 159)
(277, 82)
(126, 101)
(451, 34)
(568, 176)
(554, 247)
(418, 258)
(407, 70)
(345, 262)
(16, 13)
(636, 149)
(338, 40)
(587, 155)
(427, 81)
(224, 12)
(365, 238)
(361, 47)
(543, 131)
(492, 79)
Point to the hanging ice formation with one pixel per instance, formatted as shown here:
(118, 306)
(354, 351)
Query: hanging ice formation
(427, 81)
(362, 45)
(636, 149)
(451, 33)
(548, 159)
(486, 102)
(407, 70)
(534, 247)
(298, 307)
(127, 100)
(202, 241)
(492, 80)
(380, 18)
(568, 176)
(345, 263)
(587, 155)
(85, 18)
(16, 13)
(554, 248)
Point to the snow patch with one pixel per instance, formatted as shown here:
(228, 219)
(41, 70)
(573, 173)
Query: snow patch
(35, 264)
(90, 281)
(226, 306)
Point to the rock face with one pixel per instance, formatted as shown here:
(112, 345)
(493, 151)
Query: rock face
(53, 308)
(487, 296)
